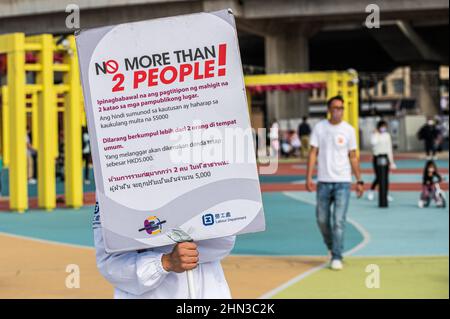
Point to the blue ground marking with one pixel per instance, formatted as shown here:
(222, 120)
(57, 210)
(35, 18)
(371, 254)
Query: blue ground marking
(393, 177)
(290, 228)
(411, 164)
(403, 229)
(270, 179)
(61, 225)
(264, 179)
(32, 189)
(400, 178)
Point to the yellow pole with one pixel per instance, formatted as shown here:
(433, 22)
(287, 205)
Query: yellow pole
(249, 102)
(354, 102)
(18, 186)
(345, 94)
(56, 127)
(46, 124)
(83, 112)
(72, 131)
(34, 119)
(332, 87)
(5, 126)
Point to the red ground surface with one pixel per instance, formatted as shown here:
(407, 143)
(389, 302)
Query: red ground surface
(298, 168)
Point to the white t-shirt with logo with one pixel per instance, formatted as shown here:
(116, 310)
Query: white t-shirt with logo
(334, 143)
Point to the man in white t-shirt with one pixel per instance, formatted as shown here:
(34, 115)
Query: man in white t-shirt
(333, 145)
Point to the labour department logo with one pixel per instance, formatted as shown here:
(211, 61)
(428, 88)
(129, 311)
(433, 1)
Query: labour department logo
(208, 219)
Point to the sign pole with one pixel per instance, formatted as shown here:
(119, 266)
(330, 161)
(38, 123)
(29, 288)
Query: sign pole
(180, 236)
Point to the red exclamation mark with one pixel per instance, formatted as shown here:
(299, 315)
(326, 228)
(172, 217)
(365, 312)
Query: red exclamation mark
(222, 58)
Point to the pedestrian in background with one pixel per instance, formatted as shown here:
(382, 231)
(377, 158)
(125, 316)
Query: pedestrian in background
(381, 143)
(428, 133)
(304, 132)
(274, 139)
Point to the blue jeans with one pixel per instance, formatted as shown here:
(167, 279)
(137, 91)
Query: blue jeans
(331, 213)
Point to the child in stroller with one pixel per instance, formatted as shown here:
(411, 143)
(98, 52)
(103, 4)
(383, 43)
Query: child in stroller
(430, 187)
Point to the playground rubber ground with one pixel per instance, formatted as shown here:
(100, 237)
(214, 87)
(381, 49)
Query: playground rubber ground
(408, 245)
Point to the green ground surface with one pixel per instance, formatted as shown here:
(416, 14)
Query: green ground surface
(400, 277)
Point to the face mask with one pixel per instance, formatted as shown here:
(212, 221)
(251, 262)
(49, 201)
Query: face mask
(383, 130)
(336, 115)
(430, 122)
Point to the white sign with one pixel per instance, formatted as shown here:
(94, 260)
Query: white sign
(170, 133)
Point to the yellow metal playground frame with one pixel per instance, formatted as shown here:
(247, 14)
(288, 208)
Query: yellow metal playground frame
(343, 83)
(43, 98)
(44, 114)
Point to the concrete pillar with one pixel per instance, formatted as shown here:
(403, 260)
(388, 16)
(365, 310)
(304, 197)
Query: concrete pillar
(286, 50)
(425, 87)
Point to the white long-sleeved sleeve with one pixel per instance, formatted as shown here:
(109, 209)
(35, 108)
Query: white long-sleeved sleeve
(132, 272)
(215, 249)
(391, 151)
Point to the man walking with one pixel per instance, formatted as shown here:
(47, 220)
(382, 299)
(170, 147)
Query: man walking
(333, 145)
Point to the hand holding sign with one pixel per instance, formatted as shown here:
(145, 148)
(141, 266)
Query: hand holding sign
(183, 257)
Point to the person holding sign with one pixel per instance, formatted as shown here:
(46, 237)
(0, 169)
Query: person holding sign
(159, 115)
(158, 273)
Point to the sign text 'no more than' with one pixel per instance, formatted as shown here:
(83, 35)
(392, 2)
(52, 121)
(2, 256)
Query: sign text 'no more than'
(154, 69)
